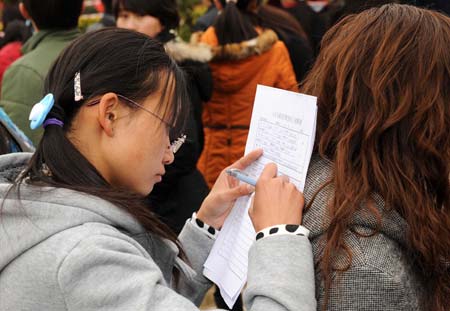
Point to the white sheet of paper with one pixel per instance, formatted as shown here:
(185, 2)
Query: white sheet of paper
(283, 124)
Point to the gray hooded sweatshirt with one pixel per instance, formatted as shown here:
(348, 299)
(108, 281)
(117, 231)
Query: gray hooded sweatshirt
(64, 250)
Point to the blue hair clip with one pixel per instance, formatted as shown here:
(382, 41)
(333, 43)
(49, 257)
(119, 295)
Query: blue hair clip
(40, 111)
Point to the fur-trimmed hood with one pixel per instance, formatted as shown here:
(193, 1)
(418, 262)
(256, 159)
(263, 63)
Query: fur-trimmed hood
(182, 51)
(239, 51)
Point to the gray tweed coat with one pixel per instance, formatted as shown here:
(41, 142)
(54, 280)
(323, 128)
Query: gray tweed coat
(380, 276)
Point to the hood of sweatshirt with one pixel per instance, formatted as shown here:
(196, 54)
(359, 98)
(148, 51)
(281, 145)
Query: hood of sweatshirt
(49, 210)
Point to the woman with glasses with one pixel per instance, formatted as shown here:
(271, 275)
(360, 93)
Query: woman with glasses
(76, 232)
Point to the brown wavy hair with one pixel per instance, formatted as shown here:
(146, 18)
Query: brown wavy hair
(383, 85)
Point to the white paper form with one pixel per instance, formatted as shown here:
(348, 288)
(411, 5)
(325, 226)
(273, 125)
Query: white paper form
(283, 124)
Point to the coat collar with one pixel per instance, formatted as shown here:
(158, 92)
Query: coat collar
(182, 51)
(239, 51)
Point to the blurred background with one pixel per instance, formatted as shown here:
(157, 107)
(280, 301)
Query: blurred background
(191, 10)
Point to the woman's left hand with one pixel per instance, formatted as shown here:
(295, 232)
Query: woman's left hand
(217, 205)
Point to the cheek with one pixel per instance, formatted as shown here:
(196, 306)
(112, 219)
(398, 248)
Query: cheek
(125, 23)
(120, 22)
(151, 145)
(150, 26)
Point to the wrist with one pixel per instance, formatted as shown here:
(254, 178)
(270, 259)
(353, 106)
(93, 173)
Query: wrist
(210, 231)
(202, 216)
(283, 229)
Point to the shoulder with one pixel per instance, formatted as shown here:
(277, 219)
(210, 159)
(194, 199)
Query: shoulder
(22, 83)
(209, 37)
(23, 66)
(380, 270)
(280, 50)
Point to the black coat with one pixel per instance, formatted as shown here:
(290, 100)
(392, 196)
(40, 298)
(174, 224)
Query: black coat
(183, 187)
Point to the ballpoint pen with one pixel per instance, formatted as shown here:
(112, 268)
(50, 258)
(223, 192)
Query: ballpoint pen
(236, 173)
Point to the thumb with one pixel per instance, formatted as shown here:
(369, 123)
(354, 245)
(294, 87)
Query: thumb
(239, 191)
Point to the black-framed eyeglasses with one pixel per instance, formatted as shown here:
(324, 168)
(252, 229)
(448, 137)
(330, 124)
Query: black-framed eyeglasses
(174, 145)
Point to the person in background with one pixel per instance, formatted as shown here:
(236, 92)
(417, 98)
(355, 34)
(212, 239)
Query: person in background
(206, 20)
(315, 20)
(107, 19)
(244, 56)
(291, 33)
(377, 190)
(183, 187)
(9, 12)
(75, 232)
(15, 34)
(55, 23)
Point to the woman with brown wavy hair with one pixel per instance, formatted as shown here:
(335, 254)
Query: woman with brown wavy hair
(378, 189)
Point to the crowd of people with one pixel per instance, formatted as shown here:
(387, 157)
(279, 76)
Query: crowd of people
(115, 144)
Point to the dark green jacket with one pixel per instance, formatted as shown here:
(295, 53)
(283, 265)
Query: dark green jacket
(23, 82)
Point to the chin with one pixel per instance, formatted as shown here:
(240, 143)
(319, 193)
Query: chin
(147, 190)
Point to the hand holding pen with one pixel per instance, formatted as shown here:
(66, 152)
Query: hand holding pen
(277, 201)
(238, 174)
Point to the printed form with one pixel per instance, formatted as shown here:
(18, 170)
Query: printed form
(283, 124)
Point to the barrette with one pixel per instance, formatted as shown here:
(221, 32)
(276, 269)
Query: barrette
(40, 111)
(176, 145)
(77, 87)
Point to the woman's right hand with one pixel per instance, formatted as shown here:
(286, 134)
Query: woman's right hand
(276, 201)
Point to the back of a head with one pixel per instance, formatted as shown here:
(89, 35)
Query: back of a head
(385, 65)
(382, 81)
(11, 13)
(16, 31)
(54, 14)
(164, 10)
(283, 23)
(234, 24)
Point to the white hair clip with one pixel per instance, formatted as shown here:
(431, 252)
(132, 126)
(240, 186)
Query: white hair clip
(176, 145)
(77, 87)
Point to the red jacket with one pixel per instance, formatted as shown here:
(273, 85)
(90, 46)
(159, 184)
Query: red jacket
(237, 69)
(8, 54)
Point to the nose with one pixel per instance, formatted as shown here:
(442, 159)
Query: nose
(169, 157)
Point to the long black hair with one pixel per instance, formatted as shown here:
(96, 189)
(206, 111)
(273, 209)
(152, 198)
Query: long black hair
(109, 60)
(234, 24)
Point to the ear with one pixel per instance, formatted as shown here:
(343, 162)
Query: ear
(23, 10)
(108, 112)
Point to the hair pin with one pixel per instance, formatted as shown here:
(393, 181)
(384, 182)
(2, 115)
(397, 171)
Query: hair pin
(77, 87)
(176, 145)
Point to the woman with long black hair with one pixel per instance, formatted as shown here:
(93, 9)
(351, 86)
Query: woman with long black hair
(75, 230)
(183, 187)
